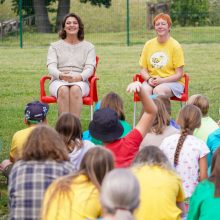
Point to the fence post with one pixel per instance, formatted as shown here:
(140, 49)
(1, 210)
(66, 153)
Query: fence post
(20, 24)
(1, 23)
(128, 24)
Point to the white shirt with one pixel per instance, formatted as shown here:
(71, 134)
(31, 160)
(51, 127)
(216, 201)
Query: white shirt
(188, 163)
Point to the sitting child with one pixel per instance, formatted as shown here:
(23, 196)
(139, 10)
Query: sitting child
(186, 152)
(208, 125)
(161, 191)
(161, 127)
(205, 201)
(111, 100)
(69, 128)
(106, 127)
(35, 113)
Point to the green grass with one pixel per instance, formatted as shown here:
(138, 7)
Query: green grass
(21, 70)
(186, 35)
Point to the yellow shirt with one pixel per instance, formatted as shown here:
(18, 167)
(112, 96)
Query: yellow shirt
(18, 141)
(161, 59)
(81, 202)
(159, 191)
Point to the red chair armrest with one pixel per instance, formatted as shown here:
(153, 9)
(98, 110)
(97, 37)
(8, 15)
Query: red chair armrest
(93, 89)
(42, 85)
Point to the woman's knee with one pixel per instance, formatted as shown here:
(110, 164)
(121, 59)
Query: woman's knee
(63, 92)
(75, 92)
(162, 90)
(147, 88)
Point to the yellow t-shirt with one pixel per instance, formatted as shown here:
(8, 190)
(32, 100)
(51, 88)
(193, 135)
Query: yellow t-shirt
(159, 191)
(18, 141)
(161, 59)
(81, 202)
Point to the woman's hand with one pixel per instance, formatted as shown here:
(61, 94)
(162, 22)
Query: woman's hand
(156, 81)
(68, 77)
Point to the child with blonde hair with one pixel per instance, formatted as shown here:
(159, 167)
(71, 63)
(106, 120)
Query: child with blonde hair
(161, 191)
(76, 196)
(186, 152)
(161, 127)
(208, 125)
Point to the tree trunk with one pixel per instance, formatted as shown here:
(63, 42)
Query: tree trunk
(41, 16)
(63, 9)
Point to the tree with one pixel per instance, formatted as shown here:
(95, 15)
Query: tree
(190, 12)
(63, 8)
(40, 9)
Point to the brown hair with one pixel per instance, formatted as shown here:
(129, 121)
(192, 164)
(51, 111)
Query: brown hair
(113, 100)
(96, 163)
(189, 119)
(152, 156)
(215, 172)
(44, 143)
(70, 130)
(163, 16)
(166, 101)
(201, 102)
(80, 34)
(162, 119)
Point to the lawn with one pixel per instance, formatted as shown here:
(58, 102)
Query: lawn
(21, 70)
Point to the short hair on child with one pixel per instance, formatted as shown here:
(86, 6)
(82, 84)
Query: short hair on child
(114, 101)
(120, 193)
(44, 143)
(201, 102)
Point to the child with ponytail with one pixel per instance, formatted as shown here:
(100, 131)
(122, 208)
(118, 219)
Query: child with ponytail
(120, 193)
(205, 201)
(186, 152)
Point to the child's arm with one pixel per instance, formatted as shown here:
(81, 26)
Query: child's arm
(150, 109)
(203, 168)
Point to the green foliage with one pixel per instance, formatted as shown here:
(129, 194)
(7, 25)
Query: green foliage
(28, 8)
(106, 3)
(214, 9)
(190, 12)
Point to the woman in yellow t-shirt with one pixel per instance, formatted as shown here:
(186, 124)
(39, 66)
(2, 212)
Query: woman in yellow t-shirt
(76, 196)
(162, 61)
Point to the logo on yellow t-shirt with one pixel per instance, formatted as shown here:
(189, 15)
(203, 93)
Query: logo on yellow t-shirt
(158, 60)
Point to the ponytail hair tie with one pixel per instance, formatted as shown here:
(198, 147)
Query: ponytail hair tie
(122, 208)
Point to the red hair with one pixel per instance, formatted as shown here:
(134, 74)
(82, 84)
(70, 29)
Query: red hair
(163, 16)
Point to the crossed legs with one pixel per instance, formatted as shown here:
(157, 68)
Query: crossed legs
(69, 100)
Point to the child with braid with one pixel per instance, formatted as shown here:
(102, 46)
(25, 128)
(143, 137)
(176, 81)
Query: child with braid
(186, 152)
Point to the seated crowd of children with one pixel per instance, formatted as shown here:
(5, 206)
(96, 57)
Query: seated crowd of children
(161, 169)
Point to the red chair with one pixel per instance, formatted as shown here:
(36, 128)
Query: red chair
(88, 100)
(183, 99)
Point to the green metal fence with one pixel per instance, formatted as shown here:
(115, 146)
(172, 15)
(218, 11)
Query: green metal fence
(124, 23)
